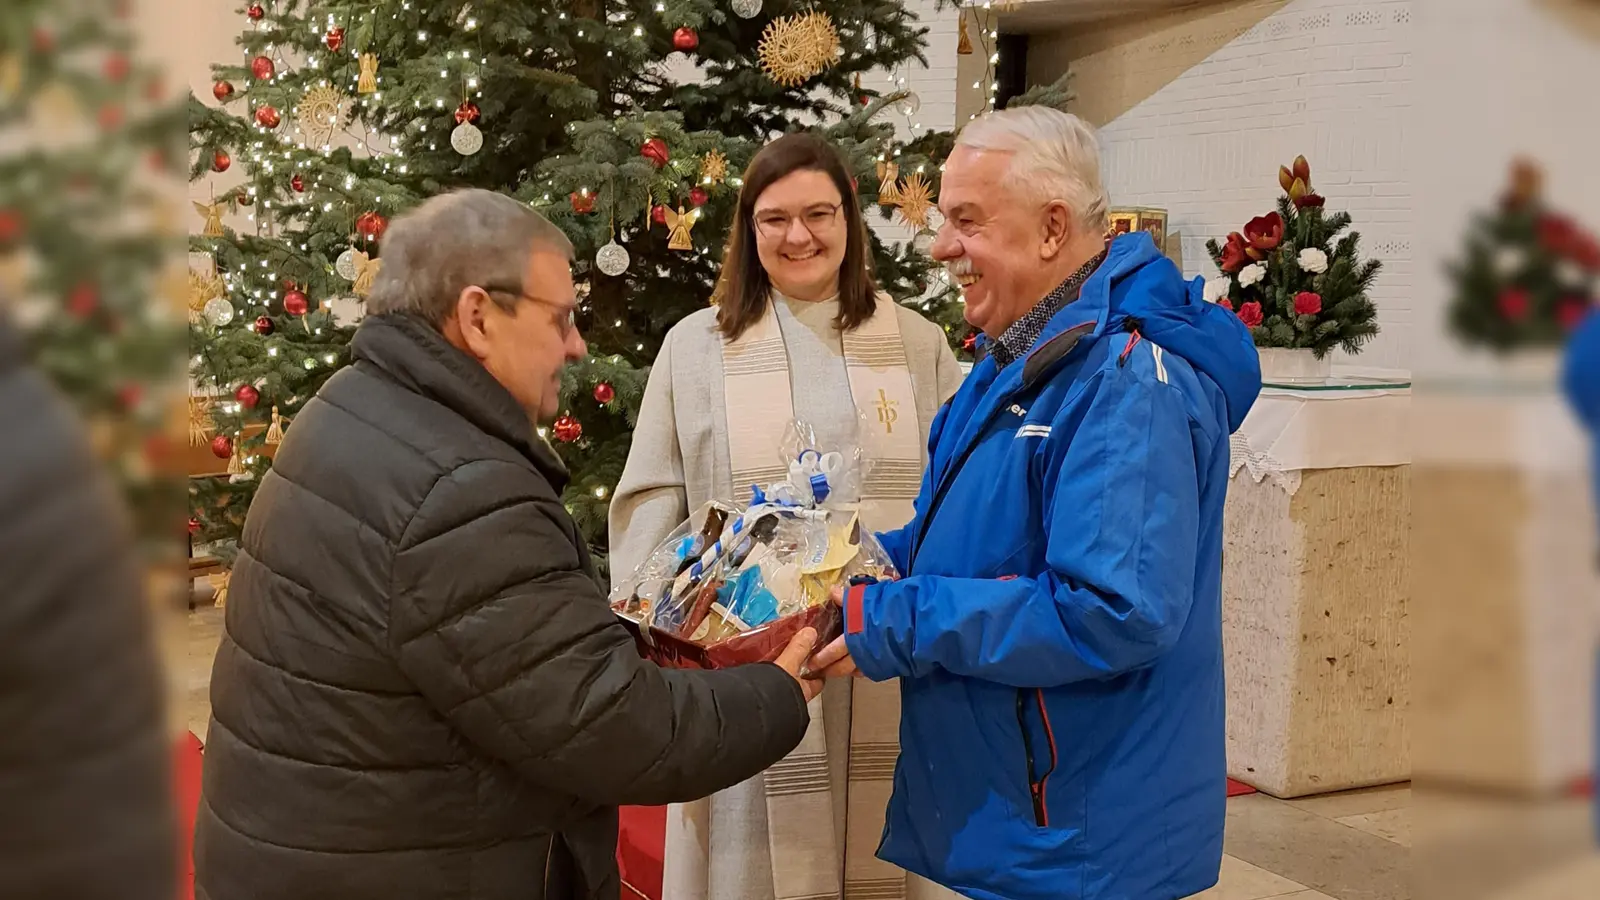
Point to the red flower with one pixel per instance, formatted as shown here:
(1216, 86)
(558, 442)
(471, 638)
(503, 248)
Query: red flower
(1514, 303)
(1233, 255)
(1226, 303)
(1586, 252)
(1309, 200)
(1307, 304)
(1557, 234)
(1250, 314)
(1264, 233)
(1571, 312)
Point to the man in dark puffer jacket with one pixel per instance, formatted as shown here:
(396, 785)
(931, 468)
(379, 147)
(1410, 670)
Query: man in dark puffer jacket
(421, 692)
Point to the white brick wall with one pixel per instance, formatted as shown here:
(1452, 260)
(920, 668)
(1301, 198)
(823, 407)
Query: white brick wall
(1331, 79)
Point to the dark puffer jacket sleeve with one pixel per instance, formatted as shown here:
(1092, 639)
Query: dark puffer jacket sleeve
(501, 626)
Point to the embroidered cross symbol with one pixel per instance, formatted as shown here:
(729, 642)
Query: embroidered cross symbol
(887, 414)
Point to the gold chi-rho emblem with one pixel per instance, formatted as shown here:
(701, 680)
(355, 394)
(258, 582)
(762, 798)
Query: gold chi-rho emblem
(887, 414)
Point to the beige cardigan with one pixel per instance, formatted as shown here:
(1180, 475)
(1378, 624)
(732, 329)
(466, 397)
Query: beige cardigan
(679, 457)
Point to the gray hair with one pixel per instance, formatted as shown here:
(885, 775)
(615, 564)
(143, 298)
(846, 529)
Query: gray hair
(1055, 156)
(455, 241)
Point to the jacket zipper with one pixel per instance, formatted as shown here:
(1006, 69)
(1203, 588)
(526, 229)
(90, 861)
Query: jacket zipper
(1036, 781)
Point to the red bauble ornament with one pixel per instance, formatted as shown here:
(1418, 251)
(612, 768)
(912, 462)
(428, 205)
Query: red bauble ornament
(222, 90)
(255, 12)
(247, 396)
(1514, 303)
(194, 525)
(295, 303)
(371, 226)
(10, 226)
(604, 393)
(582, 203)
(128, 395)
(262, 67)
(658, 214)
(334, 38)
(245, 199)
(264, 325)
(116, 67)
(44, 40)
(685, 39)
(110, 116)
(222, 446)
(865, 100)
(83, 301)
(220, 161)
(297, 184)
(698, 196)
(1572, 312)
(970, 341)
(567, 429)
(468, 112)
(655, 150)
(267, 117)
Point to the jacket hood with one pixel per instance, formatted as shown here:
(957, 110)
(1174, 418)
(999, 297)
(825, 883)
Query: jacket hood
(1145, 286)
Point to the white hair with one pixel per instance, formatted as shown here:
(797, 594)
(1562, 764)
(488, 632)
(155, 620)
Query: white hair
(1054, 156)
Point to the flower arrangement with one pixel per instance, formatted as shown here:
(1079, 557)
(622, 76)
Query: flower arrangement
(1293, 275)
(1529, 275)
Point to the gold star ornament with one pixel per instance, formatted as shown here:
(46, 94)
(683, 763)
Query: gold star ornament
(916, 200)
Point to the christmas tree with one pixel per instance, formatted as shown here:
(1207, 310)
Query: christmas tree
(1294, 276)
(1528, 275)
(87, 229)
(626, 122)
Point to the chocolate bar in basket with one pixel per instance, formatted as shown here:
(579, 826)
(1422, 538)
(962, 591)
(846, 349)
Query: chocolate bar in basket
(733, 586)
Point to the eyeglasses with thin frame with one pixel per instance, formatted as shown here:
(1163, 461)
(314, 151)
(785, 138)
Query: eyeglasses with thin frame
(774, 224)
(568, 321)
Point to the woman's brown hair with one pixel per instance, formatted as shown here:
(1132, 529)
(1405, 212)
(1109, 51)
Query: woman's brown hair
(744, 290)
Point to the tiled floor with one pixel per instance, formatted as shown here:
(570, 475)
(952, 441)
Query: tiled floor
(1349, 846)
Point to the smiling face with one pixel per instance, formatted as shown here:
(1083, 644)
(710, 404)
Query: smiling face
(1005, 251)
(801, 235)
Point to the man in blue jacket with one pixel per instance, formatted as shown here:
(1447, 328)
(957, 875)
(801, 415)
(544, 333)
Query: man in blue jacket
(1058, 631)
(1581, 378)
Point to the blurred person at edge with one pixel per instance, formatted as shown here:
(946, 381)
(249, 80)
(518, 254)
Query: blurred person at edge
(1058, 633)
(85, 784)
(797, 278)
(1581, 378)
(422, 691)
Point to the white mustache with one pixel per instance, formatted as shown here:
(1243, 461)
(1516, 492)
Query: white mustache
(960, 266)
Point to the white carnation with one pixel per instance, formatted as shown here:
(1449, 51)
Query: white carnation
(1313, 260)
(1252, 274)
(1508, 261)
(1216, 289)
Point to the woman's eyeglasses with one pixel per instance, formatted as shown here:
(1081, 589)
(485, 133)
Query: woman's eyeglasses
(773, 224)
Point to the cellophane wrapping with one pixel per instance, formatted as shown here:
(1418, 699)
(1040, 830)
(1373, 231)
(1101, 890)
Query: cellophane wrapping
(732, 586)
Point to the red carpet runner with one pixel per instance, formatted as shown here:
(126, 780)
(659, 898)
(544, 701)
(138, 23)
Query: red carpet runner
(188, 788)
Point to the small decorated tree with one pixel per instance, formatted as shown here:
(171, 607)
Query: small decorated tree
(1528, 275)
(1294, 276)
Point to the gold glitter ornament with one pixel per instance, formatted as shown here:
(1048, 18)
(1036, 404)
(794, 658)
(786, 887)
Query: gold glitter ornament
(795, 48)
(203, 288)
(367, 83)
(916, 200)
(713, 167)
(366, 273)
(964, 42)
(213, 216)
(679, 224)
(319, 115)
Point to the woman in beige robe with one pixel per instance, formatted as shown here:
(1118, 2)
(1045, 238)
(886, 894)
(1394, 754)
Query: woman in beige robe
(799, 332)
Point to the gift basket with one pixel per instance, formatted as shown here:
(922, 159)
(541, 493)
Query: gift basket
(733, 586)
